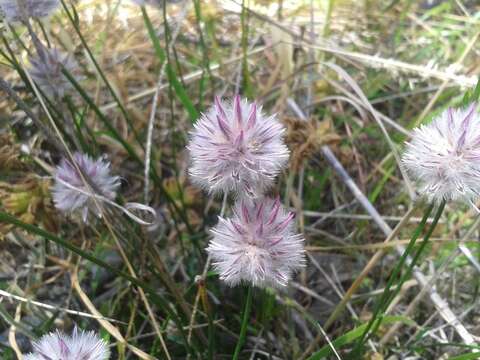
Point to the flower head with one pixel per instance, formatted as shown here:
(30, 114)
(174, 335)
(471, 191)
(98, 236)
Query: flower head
(19, 10)
(70, 192)
(80, 346)
(257, 245)
(235, 147)
(47, 73)
(444, 156)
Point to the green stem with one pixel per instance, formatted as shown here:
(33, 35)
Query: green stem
(415, 259)
(420, 249)
(246, 316)
(102, 75)
(247, 85)
(163, 55)
(386, 297)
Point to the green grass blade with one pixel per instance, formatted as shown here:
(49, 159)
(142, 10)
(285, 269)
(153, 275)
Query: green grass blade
(415, 259)
(114, 133)
(352, 335)
(384, 300)
(171, 76)
(247, 83)
(245, 318)
(122, 108)
(467, 356)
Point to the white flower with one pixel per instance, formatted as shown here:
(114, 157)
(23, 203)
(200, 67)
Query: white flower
(257, 245)
(444, 156)
(80, 346)
(18, 10)
(235, 147)
(47, 73)
(70, 194)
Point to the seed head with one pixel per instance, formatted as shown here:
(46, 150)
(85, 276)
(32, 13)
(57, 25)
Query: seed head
(235, 147)
(70, 194)
(80, 346)
(444, 156)
(257, 245)
(20, 10)
(46, 71)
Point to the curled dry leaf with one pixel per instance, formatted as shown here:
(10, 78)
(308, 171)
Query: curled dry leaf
(304, 138)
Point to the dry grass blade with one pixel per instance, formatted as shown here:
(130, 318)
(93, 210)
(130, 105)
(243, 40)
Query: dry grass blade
(6, 294)
(11, 333)
(112, 330)
(392, 64)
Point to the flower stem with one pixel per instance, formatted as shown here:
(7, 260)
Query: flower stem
(246, 316)
(389, 294)
(414, 261)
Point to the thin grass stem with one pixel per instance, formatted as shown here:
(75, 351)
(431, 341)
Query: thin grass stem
(386, 296)
(245, 318)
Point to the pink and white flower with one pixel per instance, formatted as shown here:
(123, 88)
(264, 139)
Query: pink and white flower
(258, 245)
(80, 345)
(71, 193)
(444, 156)
(235, 147)
(47, 72)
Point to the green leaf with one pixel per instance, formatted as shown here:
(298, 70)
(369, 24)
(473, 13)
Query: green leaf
(73, 19)
(467, 356)
(472, 95)
(172, 77)
(352, 335)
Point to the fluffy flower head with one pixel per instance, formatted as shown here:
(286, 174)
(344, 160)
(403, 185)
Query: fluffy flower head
(444, 156)
(18, 10)
(235, 147)
(47, 73)
(79, 346)
(258, 245)
(70, 193)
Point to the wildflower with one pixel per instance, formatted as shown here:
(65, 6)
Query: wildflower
(235, 147)
(46, 71)
(20, 10)
(257, 245)
(70, 193)
(444, 156)
(81, 345)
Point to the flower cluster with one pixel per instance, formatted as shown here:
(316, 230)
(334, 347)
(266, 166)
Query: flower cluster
(444, 156)
(20, 10)
(72, 191)
(46, 71)
(80, 345)
(235, 147)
